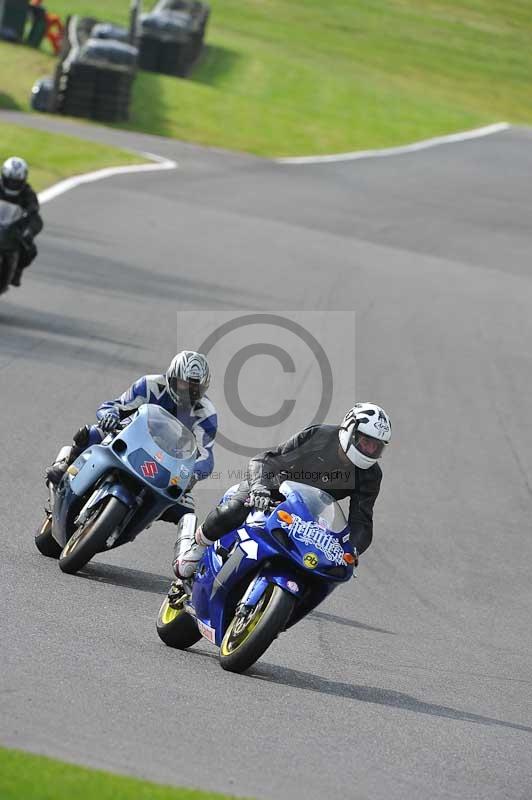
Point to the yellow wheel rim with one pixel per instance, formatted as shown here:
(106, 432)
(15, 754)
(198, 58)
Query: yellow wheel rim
(228, 646)
(168, 614)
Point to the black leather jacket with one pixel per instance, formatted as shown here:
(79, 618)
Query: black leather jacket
(313, 456)
(29, 201)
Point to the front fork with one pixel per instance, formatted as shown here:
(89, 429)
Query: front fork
(113, 540)
(108, 488)
(257, 587)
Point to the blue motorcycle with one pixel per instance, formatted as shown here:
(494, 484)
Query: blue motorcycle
(262, 578)
(116, 489)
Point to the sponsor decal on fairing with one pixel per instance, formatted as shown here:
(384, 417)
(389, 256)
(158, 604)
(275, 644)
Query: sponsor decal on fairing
(206, 631)
(149, 469)
(311, 533)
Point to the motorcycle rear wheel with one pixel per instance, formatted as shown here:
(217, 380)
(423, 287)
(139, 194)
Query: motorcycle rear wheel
(45, 542)
(248, 638)
(91, 537)
(175, 627)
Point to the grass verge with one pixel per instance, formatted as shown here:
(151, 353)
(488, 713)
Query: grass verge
(285, 77)
(53, 157)
(28, 777)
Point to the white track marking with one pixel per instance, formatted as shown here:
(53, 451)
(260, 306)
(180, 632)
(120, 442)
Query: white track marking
(477, 133)
(91, 177)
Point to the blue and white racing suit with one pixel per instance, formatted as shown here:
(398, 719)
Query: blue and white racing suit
(201, 419)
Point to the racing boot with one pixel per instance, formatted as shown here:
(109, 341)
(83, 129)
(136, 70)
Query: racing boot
(189, 547)
(65, 458)
(67, 455)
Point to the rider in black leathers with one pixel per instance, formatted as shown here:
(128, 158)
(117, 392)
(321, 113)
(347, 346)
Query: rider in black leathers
(341, 460)
(14, 188)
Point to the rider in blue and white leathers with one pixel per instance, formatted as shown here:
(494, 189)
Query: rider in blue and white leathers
(200, 418)
(181, 392)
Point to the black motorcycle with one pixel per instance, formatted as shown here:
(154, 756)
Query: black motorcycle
(13, 221)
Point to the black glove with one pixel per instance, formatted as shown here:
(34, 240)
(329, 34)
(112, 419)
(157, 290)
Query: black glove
(260, 497)
(109, 422)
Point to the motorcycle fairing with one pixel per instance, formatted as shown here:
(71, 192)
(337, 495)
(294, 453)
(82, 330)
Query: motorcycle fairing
(157, 475)
(256, 549)
(11, 219)
(113, 458)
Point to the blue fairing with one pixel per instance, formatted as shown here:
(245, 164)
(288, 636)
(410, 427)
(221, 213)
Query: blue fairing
(300, 547)
(147, 466)
(201, 418)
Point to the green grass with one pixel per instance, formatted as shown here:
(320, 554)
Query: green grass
(28, 777)
(52, 157)
(284, 77)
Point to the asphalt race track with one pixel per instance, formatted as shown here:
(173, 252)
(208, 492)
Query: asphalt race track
(415, 680)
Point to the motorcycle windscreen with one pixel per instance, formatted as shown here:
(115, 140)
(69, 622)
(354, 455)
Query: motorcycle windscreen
(10, 214)
(321, 505)
(170, 435)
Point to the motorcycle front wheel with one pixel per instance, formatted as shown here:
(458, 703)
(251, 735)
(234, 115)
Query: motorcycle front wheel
(249, 636)
(45, 542)
(91, 537)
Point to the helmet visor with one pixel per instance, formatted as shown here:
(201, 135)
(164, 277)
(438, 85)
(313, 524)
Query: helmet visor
(188, 392)
(12, 184)
(368, 445)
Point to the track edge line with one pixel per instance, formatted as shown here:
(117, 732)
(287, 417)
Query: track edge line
(68, 184)
(424, 144)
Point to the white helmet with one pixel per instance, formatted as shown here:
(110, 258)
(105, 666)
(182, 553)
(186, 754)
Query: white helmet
(14, 176)
(188, 378)
(365, 431)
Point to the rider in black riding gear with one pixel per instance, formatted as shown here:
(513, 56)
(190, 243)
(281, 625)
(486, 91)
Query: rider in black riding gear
(14, 188)
(341, 460)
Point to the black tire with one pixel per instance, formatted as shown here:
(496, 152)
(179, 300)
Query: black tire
(176, 628)
(241, 647)
(91, 538)
(4, 283)
(8, 267)
(45, 542)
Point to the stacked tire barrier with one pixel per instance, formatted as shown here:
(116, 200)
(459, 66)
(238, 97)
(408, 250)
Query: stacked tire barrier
(199, 14)
(171, 36)
(107, 31)
(96, 72)
(13, 14)
(42, 95)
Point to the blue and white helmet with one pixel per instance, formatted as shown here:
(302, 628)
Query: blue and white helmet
(13, 176)
(364, 433)
(188, 377)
